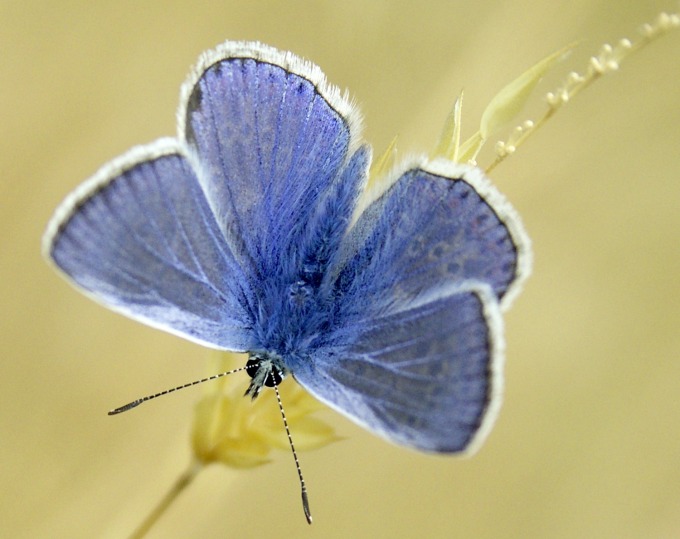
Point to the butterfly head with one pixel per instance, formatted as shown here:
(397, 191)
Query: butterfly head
(265, 369)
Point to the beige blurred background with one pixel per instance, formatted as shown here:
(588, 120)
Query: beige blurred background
(588, 441)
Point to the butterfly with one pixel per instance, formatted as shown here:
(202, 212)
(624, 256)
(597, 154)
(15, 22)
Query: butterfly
(253, 231)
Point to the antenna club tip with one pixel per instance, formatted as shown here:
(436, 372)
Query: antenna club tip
(127, 407)
(305, 507)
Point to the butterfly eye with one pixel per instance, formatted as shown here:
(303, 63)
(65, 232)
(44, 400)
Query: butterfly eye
(273, 378)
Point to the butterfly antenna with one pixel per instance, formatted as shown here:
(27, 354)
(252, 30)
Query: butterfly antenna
(305, 500)
(137, 402)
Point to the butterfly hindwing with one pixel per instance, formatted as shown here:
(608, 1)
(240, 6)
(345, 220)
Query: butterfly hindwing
(270, 137)
(438, 223)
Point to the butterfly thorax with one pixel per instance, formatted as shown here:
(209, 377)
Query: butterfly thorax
(294, 307)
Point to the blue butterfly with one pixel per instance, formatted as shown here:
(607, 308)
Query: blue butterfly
(251, 231)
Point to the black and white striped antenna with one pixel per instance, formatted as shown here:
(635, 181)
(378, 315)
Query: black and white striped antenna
(275, 379)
